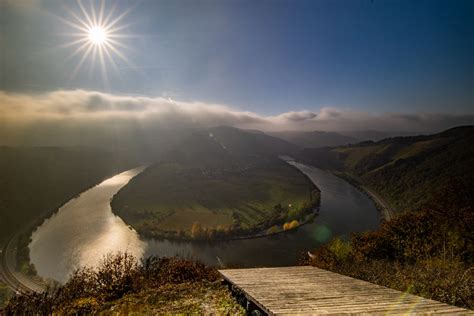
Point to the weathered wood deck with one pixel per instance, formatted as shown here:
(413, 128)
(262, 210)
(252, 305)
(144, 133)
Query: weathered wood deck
(309, 290)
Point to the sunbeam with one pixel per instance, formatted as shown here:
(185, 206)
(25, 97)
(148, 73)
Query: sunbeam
(96, 35)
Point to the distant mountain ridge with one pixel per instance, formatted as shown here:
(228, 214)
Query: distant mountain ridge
(222, 145)
(251, 142)
(375, 135)
(314, 139)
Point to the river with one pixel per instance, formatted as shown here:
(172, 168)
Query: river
(85, 229)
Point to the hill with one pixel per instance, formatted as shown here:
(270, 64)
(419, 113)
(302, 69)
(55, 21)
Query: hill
(374, 135)
(179, 201)
(223, 146)
(250, 143)
(405, 171)
(427, 252)
(219, 183)
(314, 139)
(427, 248)
(37, 180)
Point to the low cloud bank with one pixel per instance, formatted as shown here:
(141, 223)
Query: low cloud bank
(53, 113)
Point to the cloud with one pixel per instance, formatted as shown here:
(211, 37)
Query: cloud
(63, 114)
(297, 116)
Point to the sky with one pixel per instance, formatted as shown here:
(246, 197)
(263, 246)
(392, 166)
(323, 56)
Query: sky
(290, 64)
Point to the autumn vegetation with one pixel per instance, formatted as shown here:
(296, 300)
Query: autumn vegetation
(429, 252)
(123, 285)
(428, 248)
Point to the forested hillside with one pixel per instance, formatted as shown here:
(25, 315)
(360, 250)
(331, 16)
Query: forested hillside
(35, 180)
(406, 171)
(427, 249)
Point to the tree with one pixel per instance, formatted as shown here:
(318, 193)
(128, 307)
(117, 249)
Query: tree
(291, 225)
(272, 230)
(196, 230)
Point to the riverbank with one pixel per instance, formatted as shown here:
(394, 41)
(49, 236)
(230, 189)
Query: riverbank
(57, 231)
(16, 281)
(270, 231)
(20, 261)
(386, 211)
(37, 181)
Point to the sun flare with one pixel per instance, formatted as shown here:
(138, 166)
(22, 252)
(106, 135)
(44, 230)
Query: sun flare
(97, 36)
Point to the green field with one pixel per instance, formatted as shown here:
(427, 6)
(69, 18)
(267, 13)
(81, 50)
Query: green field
(171, 198)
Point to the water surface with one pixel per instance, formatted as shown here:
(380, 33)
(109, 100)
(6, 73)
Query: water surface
(85, 229)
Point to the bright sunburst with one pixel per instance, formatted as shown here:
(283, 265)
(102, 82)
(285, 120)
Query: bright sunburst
(97, 35)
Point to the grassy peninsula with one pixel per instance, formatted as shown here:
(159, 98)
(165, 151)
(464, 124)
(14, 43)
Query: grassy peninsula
(218, 183)
(179, 200)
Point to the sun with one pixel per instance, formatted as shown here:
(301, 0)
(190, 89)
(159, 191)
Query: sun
(97, 36)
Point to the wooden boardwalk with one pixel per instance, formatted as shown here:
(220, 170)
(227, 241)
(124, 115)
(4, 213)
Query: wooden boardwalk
(309, 290)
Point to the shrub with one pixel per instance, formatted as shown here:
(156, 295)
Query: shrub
(422, 253)
(341, 249)
(290, 225)
(89, 290)
(272, 230)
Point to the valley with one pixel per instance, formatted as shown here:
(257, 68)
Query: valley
(238, 157)
(207, 195)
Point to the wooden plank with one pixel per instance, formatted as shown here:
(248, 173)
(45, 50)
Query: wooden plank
(309, 290)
